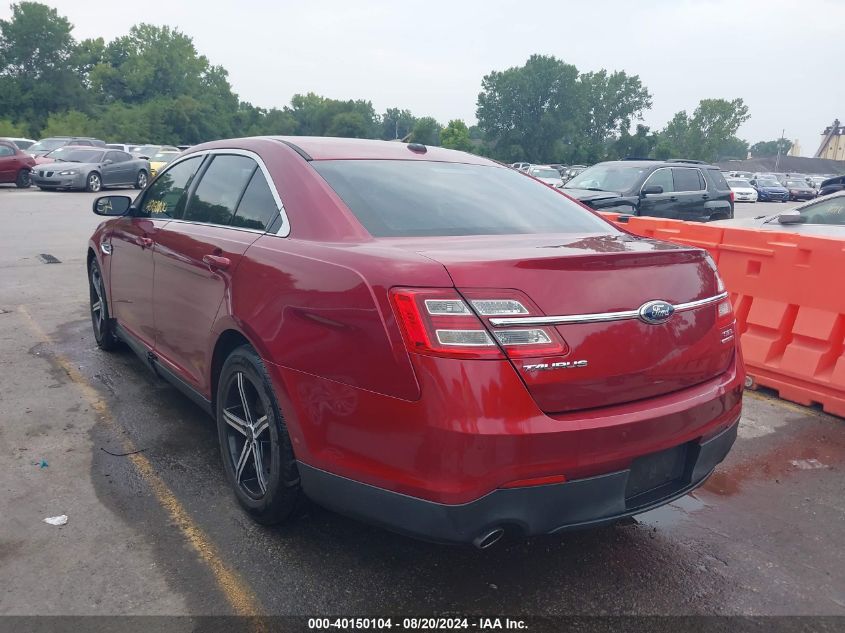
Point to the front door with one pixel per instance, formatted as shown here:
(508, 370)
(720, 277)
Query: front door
(196, 257)
(8, 163)
(661, 205)
(132, 243)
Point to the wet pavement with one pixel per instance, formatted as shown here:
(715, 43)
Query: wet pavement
(763, 536)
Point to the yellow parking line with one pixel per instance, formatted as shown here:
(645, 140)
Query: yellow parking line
(237, 591)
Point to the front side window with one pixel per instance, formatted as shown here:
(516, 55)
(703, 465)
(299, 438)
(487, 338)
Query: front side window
(258, 207)
(686, 179)
(166, 196)
(5, 150)
(661, 178)
(219, 190)
(117, 157)
(831, 211)
(406, 198)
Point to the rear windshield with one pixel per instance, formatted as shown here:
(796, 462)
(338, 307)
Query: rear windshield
(48, 144)
(395, 198)
(718, 179)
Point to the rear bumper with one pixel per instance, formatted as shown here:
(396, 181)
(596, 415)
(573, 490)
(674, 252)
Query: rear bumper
(532, 510)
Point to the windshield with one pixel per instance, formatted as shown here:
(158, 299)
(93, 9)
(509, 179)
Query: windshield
(796, 183)
(608, 177)
(545, 173)
(79, 156)
(47, 144)
(397, 198)
(739, 183)
(768, 183)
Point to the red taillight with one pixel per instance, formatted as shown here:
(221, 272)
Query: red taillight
(437, 322)
(441, 322)
(732, 195)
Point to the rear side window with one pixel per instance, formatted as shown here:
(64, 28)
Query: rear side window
(5, 150)
(258, 207)
(718, 179)
(166, 196)
(219, 190)
(686, 179)
(404, 198)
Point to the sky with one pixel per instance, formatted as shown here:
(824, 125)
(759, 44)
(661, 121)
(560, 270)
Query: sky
(782, 57)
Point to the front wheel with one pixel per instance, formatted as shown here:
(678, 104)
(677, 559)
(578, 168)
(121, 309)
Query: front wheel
(93, 183)
(23, 181)
(142, 179)
(256, 449)
(100, 318)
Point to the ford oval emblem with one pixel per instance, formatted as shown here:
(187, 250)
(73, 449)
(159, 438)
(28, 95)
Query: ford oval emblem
(655, 312)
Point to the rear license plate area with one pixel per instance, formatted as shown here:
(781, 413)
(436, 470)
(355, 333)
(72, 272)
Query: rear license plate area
(655, 475)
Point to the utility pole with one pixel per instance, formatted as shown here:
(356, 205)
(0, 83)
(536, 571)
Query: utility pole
(780, 144)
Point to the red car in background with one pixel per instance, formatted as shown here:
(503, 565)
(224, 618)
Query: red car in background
(15, 165)
(420, 338)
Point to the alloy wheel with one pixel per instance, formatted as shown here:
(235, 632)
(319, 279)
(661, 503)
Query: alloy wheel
(247, 435)
(142, 180)
(94, 183)
(98, 315)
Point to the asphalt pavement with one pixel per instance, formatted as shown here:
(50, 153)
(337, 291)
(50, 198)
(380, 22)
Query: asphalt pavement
(153, 528)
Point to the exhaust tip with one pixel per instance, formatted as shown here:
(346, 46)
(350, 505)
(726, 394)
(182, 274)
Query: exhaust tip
(488, 539)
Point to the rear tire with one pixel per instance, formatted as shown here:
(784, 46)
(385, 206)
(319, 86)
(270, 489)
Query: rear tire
(254, 443)
(101, 320)
(23, 180)
(142, 180)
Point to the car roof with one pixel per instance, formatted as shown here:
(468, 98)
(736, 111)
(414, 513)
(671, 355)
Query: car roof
(661, 163)
(333, 148)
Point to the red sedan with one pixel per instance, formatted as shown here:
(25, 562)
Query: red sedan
(15, 165)
(420, 338)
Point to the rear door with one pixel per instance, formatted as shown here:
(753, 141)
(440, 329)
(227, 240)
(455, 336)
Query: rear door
(197, 255)
(131, 245)
(691, 193)
(114, 168)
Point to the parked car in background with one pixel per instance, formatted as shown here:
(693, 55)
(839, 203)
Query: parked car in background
(546, 174)
(520, 166)
(20, 143)
(815, 181)
(161, 159)
(15, 165)
(799, 189)
(123, 147)
(574, 170)
(56, 155)
(92, 169)
(832, 185)
(685, 190)
(420, 338)
(743, 190)
(742, 175)
(769, 189)
(54, 142)
(822, 216)
(148, 151)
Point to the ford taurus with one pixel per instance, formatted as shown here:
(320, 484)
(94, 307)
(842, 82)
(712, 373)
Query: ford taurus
(420, 338)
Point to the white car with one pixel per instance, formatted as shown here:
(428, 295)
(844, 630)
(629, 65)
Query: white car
(743, 191)
(21, 143)
(546, 174)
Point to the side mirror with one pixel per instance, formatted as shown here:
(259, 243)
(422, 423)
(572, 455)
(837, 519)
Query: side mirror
(652, 190)
(112, 206)
(791, 217)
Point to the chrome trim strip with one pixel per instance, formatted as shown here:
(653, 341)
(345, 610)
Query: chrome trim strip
(599, 317)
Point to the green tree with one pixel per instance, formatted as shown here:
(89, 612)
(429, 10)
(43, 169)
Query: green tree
(426, 131)
(525, 111)
(637, 145)
(763, 149)
(7, 128)
(36, 76)
(396, 123)
(611, 102)
(456, 136)
(71, 123)
(709, 134)
(349, 124)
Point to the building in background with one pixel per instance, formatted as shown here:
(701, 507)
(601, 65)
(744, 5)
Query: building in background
(795, 150)
(833, 142)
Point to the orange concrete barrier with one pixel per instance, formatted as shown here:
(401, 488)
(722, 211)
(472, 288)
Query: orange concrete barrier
(788, 293)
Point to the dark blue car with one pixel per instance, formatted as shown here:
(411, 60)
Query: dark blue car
(770, 190)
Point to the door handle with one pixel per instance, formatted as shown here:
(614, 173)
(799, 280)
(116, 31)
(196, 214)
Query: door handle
(673, 198)
(144, 242)
(216, 261)
(705, 196)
